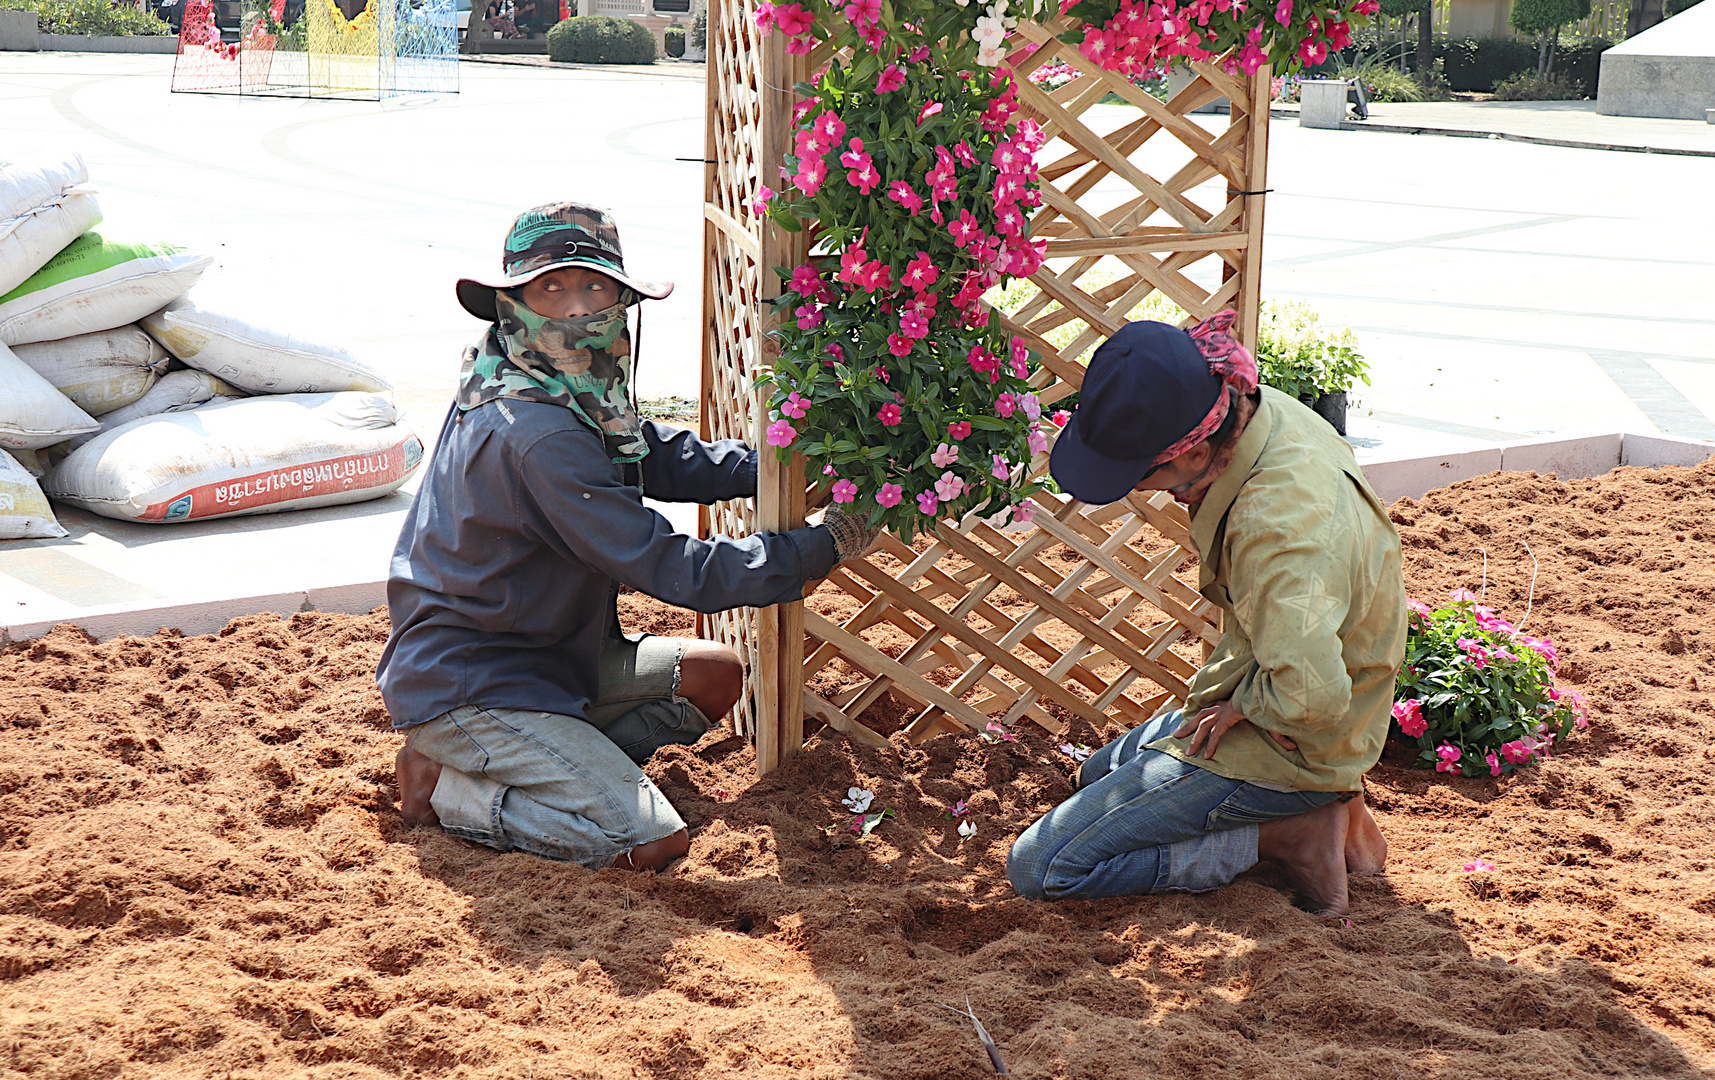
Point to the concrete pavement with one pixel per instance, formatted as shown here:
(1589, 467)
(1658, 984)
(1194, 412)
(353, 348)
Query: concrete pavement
(1500, 290)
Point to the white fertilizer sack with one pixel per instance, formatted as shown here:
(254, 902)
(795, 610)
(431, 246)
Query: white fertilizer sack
(32, 412)
(96, 284)
(24, 510)
(257, 358)
(43, 207)
(255, 456)
(176, 392)
(100, 372)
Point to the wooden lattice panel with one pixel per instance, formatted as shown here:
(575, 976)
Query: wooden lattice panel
(749, 116)
(1082, 610)
(1080, 613)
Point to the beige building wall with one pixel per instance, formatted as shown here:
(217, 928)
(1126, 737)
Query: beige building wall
(1479, 18)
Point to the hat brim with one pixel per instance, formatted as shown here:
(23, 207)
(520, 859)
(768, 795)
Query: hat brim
(1088, 476)
(476, 295)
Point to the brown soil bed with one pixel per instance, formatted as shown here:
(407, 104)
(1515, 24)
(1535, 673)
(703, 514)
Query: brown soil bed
(203, 874)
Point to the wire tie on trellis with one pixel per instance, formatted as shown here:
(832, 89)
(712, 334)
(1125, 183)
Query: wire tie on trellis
(699, 160)
(1264, 191)
(1531, 599)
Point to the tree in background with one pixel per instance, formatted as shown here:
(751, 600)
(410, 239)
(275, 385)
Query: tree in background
(1395, 9)
(1544, 18)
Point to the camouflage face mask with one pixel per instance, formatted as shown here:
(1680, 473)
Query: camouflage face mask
(582, 363)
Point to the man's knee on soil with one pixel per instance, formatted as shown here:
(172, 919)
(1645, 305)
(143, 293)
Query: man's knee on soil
(711, 677)
(1022, 871)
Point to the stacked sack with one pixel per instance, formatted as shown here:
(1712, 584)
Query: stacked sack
(121, 396)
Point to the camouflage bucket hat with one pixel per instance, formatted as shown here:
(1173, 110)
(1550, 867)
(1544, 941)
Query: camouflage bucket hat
(551, 237)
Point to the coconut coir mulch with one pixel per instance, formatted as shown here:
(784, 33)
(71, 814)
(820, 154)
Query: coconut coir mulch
(204, 874)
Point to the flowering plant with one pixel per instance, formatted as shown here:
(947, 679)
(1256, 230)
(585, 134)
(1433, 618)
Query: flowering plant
(1134, 36)
(911, 162)
(909, 157)
(1476, 694)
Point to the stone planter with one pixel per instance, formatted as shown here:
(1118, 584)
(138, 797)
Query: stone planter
(18, 31)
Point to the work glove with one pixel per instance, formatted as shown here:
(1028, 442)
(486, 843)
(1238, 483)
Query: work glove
(852, 534)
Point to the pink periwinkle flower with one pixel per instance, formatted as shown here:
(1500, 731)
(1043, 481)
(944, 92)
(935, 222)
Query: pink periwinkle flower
(759, 205)
(1283, 12)
(913, 325)
(959, 429)
(984, 362)
(933, 108)
(806, 281)
(965, 230)
(1024, 513)
(949, 487)
(1462, 596)
(1038, 441)
(890, 495)
(831, 128)
(1542, 647)
(844, 491)
(900, 192)
(898, 345)
(811, 172)
(1002, 469)
(944, 455)
(1409, 715)
(891, 79)
(1006, 405)
(795, 405)
(1060, 417)
(781, 433)
(1449, 755)
(792, 19)
(890, 414)
(809, 316)
(1516, 752)
(926, 502)
(1418, 607)
(962, 151)
(1030, 404)
(918, 55)
(1494, 763)
(920, 273)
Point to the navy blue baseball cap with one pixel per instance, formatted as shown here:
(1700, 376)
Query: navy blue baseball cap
(1146, 388)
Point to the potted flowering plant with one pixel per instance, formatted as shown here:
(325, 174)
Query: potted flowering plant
(1296, 356)
(911, 162)
(1475, 694)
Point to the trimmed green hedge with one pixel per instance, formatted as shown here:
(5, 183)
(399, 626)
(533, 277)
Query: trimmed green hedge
(600, 39)
(675, 41)
(1477, 64)
(92, 17)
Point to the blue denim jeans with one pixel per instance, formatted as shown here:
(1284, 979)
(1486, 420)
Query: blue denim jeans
(1143, 821)
(563, 787)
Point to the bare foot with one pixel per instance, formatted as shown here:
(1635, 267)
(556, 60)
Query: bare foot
(1311, 849)
(417, 777)
(657, 854)
(1366, 847)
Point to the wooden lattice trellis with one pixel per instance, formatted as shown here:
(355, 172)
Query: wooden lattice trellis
(1080, 611)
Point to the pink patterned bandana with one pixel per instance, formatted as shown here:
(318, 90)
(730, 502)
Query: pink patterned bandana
(1228, 359)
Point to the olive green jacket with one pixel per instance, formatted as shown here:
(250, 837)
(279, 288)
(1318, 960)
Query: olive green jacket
(1300, 556)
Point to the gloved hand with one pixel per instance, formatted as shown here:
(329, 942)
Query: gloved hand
(852, 534)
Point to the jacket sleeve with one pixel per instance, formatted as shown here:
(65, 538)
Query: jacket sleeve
(683, 468)
(1291, 597)
(572, 499)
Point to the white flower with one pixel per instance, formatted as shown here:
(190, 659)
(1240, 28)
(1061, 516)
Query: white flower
(857, 799)
(967, 829)
(989, 31)
(990, 55)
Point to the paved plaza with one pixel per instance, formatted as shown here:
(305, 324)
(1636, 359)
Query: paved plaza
(1501, 290)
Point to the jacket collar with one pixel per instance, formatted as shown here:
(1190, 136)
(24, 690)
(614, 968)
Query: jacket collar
(1211, 513)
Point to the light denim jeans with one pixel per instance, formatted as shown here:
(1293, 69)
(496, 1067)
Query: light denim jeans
(559, 786)
(1143, 821)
